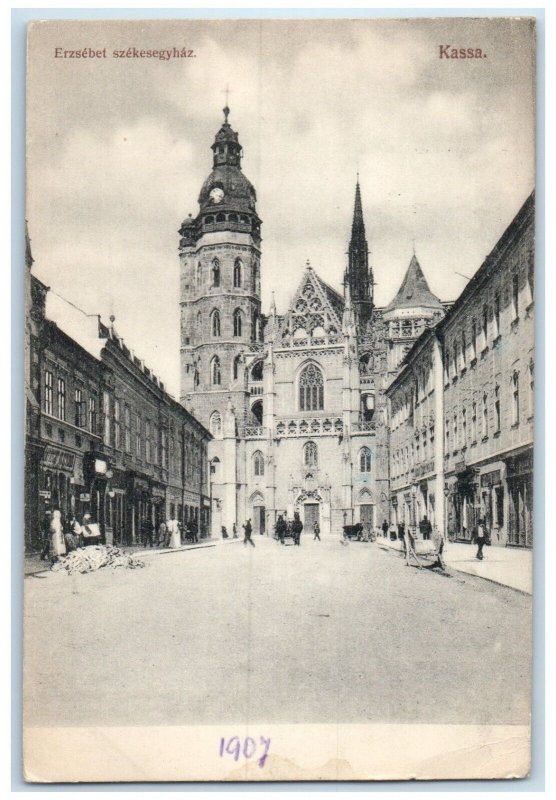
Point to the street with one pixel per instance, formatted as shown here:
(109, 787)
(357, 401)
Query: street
(319, 633)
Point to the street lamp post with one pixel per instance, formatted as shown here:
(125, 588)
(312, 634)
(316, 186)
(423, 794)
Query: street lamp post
(414, 508)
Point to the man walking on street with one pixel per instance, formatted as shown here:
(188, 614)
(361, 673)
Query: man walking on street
(297, 527)
(481, 538)
(247, 531)
(425, 528)
(316, 529)
(385, 529)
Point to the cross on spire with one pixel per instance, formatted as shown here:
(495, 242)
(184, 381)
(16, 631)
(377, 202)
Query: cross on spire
(226, 108)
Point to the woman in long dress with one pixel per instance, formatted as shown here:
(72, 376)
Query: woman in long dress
(57, 543)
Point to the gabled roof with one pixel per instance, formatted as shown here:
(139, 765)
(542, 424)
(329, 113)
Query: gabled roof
(414, 291)
(314, 297)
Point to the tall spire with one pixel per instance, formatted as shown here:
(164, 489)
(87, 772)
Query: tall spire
(359, 276)
(28, 255)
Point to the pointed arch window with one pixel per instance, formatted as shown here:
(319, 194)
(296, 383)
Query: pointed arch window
(311, 389)
(310, 455)
(237, 273)
(215, 423)
(238, 322)
(258, 464)
(215, 372)
(215, 323)
(365, 459)
(236, 367)
(216, 272)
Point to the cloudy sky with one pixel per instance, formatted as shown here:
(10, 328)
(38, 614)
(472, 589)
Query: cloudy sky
(118, 150)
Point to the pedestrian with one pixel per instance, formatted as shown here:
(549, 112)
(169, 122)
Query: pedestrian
(297, 527)
(72, 534)
(385, 528)
(224, 532)
(401, 530)
(45, 534)
(162, 534)
(281, 528)
(147, 531)
(316, 530)
(481, 537)
(173, 531)
(247, 531)
(234, 531)
(425, 528)
(57, 543)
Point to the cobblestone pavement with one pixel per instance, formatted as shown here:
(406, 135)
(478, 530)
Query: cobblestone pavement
(319, 633)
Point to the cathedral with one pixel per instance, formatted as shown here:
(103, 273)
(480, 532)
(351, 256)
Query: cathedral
(295, 402)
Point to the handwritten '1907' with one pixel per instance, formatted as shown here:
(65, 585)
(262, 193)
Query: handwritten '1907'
(249, 748)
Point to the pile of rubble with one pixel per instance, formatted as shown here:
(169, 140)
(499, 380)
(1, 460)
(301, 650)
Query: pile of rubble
(89, 559)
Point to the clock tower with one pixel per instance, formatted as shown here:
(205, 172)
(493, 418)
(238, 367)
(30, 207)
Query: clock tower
(220, 286)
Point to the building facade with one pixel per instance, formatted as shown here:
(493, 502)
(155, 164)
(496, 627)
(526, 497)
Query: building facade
(295, 401)
(462, 405)
(102, 434)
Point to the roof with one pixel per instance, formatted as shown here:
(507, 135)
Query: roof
(81, 327)
(414, 291)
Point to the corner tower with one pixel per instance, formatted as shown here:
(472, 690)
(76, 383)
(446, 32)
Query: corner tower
(359, 275)
(220, 287)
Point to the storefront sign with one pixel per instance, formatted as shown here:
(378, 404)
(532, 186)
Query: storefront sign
(44, 493)
(158, 493)
(58, 458)
(85, 497)
(491, 478)
(101, 467)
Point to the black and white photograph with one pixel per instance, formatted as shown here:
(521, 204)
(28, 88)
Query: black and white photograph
(279, 399)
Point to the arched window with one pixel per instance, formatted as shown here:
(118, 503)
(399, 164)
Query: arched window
(258, 464)
(364, 460)
(215, 373)
(310, 455)
(257, 371)
(236, 367)
(311, 389)
(216, 272)
(238, 322)
(215, 423)
(257, 411)
(237, 273)
(215, 322)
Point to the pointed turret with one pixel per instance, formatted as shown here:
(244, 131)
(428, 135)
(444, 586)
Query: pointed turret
(414, 291)
(359, 275)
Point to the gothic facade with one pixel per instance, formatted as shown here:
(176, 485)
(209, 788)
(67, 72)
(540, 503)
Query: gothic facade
(295, 402)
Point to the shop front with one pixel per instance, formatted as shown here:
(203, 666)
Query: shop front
(492, 503)
(97, 474)
(463, 504)
(56, 476)
(139, 507)
(519, 476)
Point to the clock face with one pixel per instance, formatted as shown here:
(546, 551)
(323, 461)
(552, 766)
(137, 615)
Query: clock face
(216, 195)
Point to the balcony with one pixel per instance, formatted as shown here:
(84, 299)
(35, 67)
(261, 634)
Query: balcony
(303, 426)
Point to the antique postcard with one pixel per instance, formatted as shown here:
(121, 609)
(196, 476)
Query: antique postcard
(279, 391)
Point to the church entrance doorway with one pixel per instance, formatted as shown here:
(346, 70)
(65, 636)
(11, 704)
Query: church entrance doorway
(367, 517)
(259, 517)
(310, 516)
